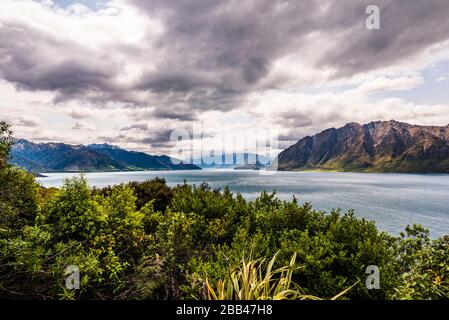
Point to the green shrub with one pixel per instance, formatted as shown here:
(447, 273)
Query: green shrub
(18, 199)
(74, 212)
(427, 273)
(5, 143)
(155, 191)
(145, 240)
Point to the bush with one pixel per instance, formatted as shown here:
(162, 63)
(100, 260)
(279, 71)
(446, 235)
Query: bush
(147, 240)
(155, 191)
(427, 278)
(18, 200)
(74, 213)
(18, 190)
(5, 143)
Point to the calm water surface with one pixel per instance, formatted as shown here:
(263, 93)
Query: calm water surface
(391, 200)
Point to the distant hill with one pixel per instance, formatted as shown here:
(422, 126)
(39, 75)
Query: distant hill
(381, 146)
(231, 161)
(140, 160)
(250, 166)
(60, 157)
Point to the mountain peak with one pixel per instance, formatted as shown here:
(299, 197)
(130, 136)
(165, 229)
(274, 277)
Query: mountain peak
(379, 146)
(352, 124)
(60, 157)
(102, 146)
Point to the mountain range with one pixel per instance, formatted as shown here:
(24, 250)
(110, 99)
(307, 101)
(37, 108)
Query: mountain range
(232, 161)
(61, 157)
(380, 146)
(251, 166)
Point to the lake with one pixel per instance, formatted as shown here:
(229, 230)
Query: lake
(391, 200)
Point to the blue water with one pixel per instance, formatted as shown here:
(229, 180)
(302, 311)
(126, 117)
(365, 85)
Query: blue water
(391, 200)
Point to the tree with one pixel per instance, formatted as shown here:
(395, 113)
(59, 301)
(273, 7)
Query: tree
(5, 143)
(18, 189)
(74, 212)
(18, 199)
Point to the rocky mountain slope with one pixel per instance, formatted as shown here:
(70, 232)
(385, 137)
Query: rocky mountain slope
(381, 146)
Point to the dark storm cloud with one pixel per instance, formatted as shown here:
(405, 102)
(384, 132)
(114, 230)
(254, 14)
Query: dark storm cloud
(302, 118)
(301, 122)
(222, 49)
(161, 136)
(68, 76)
(182, 115)
(286, 140)
(296, 118)
(34, 61)
(407, 28)
(156, 139)
(227, 47)
(178, 111)
(212, 53)
(176, 81)
(22, 121)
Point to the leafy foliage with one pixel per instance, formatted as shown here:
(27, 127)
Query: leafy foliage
(250, 282)
(145, 240)
(5, 143)
(18, 199)
(426, 266)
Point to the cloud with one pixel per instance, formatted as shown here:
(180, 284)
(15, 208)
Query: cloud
(22, 121)
(135, 69)
(407, 29)
(221, 50)
(383, 84)
(78, 54)
(202, 55)
(83, 126)
(176, 114)
(79, 114)
(136, 126)
(146, 140)
(227, 45)
(442, 79)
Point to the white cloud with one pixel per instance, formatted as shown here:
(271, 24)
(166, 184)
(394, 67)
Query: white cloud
(442, 79)
(107, 51)
(385, 84)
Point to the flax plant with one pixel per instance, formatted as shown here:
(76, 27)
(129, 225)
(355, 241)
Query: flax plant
(251, 281)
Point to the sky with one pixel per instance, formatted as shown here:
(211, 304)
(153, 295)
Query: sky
(129, 72)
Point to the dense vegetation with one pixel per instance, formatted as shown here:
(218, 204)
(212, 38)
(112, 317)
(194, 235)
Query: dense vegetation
(150, 241)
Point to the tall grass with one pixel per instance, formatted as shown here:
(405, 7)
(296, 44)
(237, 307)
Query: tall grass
(256, 280)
